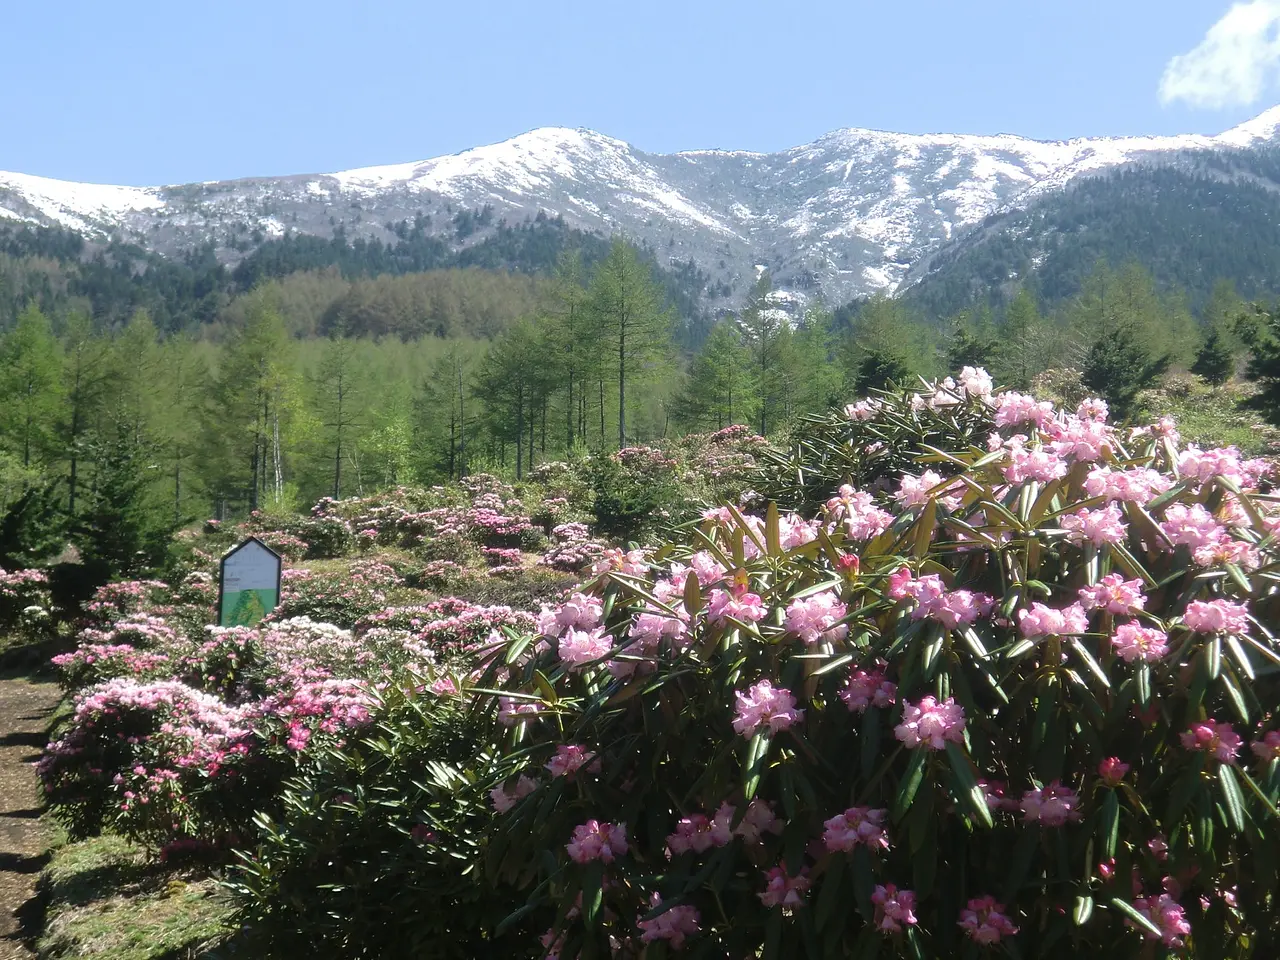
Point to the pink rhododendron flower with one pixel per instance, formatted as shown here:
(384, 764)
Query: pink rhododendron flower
(863, 409)
(1081, 440)
(985, 922)
(995, 792)
(933, 600)
(976, 382)
(1051, 806)
(763, 705)
(795, 531)
(579, 612)
(855, 511)
(1014, 408)
(1213, 737)
(1112, 770)
(674, 924)
(1217, 616)
(504, 799)
(699, 834)
(594, 840)
(782, 890)
(1134, 642)
(868, 688)
(569, 758)
(1191, 525)
(757, 821)
(1136, 485)
(1268, 748)
(737, 603)
(708, 569)
(857, 825)
(512, 711)
(1167, 916)
(1097, 527)
(1037, 463)
(1114, 594)
(1042, 621)
(894, 908)
(931, 723)
(1093, 408)
(915, 491)
(814, 617)
(580, 647)
(1159, 848)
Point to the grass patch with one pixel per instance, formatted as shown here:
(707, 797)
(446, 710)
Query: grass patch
(1213, 416)
(106, 899)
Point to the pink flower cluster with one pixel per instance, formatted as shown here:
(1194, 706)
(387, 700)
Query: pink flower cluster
(1217, 738)
(764, 706)
(1133, 642)
(1051, 805)
(932, 599)
(984, 921)
(815, 617)
(1217, 616)
(1042, 621)
(855, 512)
(1166, 915)
(674, 925)
(1113, 594)
(594, 840)
(737, 603)
(931, 724)
(895, 909)
(1097, 527)
(783, 890)
(857, 825)
(868, 688)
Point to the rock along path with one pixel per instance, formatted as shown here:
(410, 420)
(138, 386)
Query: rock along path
(25, 708)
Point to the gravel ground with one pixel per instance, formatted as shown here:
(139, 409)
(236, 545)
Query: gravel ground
(24, 711)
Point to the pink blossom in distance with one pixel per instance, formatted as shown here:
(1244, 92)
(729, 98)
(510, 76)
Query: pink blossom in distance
(594, 840)
(868, 688)
(764, 706)
(931, 724)
(1217, 738)
(674, 924)
(782, 890)
(569, 758)
(857, 825)
(1268, 748)
(985, 922)
(894, 908)
(1167, 916)
(1051, 805)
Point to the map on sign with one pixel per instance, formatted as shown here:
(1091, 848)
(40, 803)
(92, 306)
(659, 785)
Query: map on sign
(250, 587)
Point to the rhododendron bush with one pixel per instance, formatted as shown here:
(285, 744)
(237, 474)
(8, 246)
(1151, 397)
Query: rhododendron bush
(1021, 698)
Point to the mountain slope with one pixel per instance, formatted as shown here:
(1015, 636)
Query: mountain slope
(853, 213)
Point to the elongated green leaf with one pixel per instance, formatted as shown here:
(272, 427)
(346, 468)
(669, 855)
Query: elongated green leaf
(910, 784)
(829, 897)
(1234, 800)
(1083, 910)
(1109, 824)
(772, 536)
(1083, 652)
(971, 794)
(757, 750)
(1128, 910)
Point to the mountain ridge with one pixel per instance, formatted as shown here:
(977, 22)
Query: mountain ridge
(851, 213)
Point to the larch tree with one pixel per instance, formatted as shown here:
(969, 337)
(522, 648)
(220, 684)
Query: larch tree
(630, 319)
(336, 387)
(30, 386)
(719, 388)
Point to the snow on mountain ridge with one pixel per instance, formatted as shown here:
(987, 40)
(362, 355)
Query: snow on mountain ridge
(848, 214)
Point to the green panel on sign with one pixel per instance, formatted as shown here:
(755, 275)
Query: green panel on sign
(246, 608)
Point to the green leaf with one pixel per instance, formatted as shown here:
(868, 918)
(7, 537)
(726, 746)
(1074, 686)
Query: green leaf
(772, 537)
(1128, 910)
(1083, 910)
(757, 751)
(1234, 800)
(1083, 652)
(1109, 824)
(829, 897)
(1144, 685)
(970, 794)
(910, 784)
(869, 734)
(592, 892)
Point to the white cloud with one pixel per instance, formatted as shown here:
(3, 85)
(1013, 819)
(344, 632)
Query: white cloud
(1236, 63)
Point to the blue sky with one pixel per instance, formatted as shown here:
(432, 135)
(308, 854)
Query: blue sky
(145, 92)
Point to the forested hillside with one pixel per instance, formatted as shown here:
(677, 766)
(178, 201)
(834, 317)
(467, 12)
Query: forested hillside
(1190, 225)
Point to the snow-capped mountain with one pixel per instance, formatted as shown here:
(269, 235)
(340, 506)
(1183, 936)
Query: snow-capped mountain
(846, 215)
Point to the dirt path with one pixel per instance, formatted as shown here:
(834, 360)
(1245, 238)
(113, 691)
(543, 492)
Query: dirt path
(24, 713)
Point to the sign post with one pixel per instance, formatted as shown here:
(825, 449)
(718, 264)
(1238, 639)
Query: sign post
(249, 585)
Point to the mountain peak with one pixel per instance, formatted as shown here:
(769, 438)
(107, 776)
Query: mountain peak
(1264, 126)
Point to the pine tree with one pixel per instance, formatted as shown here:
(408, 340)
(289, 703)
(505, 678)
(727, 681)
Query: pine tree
(1020, 351)
(124, 529)
(1119, 366)
(763, 328)
(1215, 361)
(85, 373)
(1264, 364)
